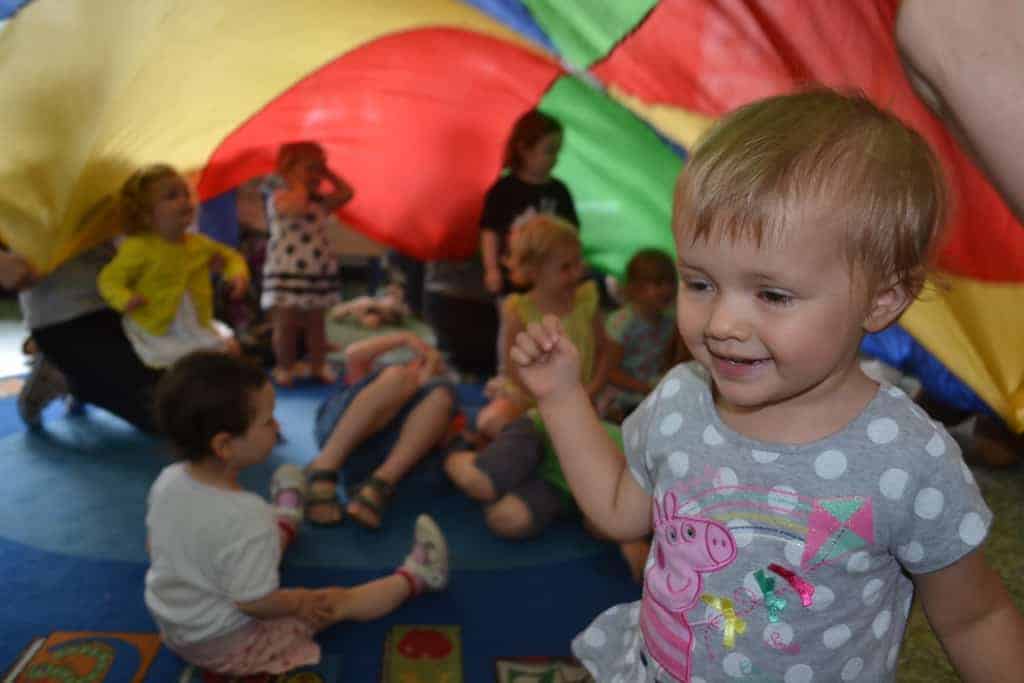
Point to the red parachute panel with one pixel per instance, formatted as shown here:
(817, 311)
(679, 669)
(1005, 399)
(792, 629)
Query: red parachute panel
(711, 56)
(415, 119)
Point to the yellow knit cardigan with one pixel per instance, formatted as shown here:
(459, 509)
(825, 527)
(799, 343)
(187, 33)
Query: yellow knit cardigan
(163, 271)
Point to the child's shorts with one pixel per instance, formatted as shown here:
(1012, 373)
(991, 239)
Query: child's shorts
(512, 463)
(270, 646)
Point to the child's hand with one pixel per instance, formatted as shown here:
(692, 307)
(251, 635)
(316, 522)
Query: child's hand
(239, 286)
(316, 608)
(430, 365)
(216, 263)
(548, 363)
(137, 301)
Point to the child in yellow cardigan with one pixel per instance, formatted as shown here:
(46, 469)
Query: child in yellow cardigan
(160, 278)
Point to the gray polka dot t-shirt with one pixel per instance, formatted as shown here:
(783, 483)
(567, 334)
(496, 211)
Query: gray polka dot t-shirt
(779, 563)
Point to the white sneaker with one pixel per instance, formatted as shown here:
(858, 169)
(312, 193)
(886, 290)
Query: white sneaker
(428, 560)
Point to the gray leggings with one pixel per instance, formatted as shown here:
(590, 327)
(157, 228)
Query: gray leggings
(511, 461)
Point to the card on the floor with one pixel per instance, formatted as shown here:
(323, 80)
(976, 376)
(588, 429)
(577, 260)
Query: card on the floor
(85, 656)
(423, 654)
(540, 670)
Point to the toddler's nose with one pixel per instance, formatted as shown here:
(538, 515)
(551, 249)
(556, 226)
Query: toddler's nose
(726, 320)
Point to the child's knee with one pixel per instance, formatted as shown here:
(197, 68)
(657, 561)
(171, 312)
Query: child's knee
(461, 468)
(510, 518)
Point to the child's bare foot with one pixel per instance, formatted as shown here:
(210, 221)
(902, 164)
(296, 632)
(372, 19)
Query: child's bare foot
(460, 466)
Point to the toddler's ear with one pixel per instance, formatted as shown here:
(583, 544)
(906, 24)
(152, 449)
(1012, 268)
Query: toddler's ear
(220, 445)
(888, 304)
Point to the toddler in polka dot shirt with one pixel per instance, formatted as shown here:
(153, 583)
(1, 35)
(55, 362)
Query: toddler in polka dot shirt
(796, 505)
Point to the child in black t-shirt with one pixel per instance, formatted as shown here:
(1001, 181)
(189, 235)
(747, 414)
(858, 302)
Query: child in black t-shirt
(526, 190)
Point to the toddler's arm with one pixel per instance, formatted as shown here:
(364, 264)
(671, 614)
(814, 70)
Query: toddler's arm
(116, 282)
(595, 468)
(341, 192)
(489, 252)
(16, 273)
(510, 325)
(230, 263)
(974, 618)
(618, 376)
(359, 355)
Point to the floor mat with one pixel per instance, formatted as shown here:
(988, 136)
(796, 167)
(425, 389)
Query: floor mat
(96, 657)
(422, 654)
(540, 670)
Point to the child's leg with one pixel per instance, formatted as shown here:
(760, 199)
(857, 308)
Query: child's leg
(372, 408)
(525, 511)
(316, 345)
(285, 321)
(287, 492)
(424, 569)
(421, 430)
(509, 459)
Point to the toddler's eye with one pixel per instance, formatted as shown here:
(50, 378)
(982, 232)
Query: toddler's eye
(697, 285)
(777, 298)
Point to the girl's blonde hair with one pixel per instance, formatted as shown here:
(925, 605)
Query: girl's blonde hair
(135, 201)
(823, 156)
(534, 241)
(291, 153)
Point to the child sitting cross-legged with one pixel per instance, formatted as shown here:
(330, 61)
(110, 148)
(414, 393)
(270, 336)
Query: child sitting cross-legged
(642, 339)
(213, 586)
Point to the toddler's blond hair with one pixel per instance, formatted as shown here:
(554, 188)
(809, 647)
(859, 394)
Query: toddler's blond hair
(823, 156)
(533, 241)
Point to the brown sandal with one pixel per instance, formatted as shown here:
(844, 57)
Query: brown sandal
(321, 498)
(384, 492)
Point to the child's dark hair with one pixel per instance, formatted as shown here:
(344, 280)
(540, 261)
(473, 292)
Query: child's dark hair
(650, 265)
(529, 129)
(204, 394)
(290, 153)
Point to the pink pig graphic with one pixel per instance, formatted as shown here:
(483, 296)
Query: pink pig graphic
(684, 549)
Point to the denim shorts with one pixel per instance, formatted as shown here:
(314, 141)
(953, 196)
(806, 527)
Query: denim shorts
(371, 452)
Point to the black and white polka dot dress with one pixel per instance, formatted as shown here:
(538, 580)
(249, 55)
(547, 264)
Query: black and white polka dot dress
(300, 271)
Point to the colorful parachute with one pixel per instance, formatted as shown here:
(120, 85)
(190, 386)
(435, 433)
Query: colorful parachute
(413, 100)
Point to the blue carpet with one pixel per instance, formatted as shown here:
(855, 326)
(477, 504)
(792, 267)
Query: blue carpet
(72, 549)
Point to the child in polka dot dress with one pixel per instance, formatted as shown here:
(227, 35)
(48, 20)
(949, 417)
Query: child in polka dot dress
(300, 280)
(796, 505)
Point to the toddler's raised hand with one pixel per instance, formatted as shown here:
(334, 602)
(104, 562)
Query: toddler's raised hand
(548, 362)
